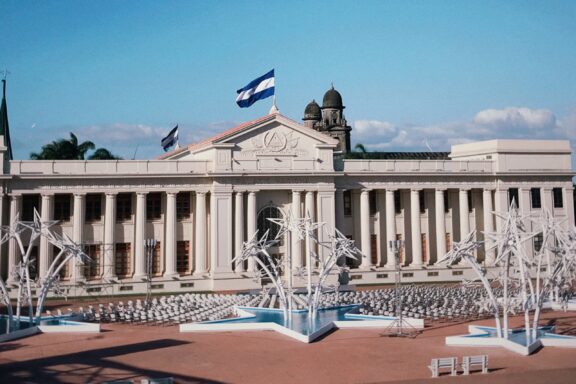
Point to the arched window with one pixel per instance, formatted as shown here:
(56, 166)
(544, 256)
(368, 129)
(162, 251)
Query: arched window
(264, 224)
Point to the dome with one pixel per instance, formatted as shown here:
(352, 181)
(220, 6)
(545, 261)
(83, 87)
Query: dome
(312, 111)
(332, 99)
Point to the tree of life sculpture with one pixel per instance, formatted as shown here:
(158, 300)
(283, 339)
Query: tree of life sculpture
(68, 251)
(304, 229)
(519, 272)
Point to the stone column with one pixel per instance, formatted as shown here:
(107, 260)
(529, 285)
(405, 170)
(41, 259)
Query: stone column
(440, 224)
(501, 206)
(488, 217)
(170, 240)
(45, 250)
(13, 249)
(296, 245)
(109, 237)
(415, 228)
(381, 231)
(569, 204)
(78, 234)
(140, 236)
(221, 236)
(365, 229)
(200, 214)
(340, 209)
(310, 209)
(325, 210)
(546, 196)
(390, 227)
(464, 213)
(251, 224)
(238, 230)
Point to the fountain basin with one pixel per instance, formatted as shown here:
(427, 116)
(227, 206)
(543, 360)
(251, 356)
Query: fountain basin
(49, 324)
(300, 327)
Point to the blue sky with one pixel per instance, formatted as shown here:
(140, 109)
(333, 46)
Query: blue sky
(123, 73)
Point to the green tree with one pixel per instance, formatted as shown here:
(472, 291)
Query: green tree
(70, 149)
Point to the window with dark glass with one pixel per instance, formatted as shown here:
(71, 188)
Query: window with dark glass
(558, 198)
(62, 207)
(153, 206)
(372, 202)
(183, 205)
(446, 207)
(93, 207)
(29, 204)
(470, 205)
(123, 206)
(397, 203)
(182, 259)
(535, 198)
(513, 196)
(422, 201)
(347, 203)
(156, 260)
(64, 271)
(538, 241)
(122, 259)
(93, 266)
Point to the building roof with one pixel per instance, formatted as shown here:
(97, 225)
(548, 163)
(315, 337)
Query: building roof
(4, 129)
(332, 99)
(398, 155)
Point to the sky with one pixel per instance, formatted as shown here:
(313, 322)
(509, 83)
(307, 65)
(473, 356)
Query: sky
(414, 75)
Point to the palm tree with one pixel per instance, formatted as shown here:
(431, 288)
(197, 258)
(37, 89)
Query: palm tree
(360, 148)
(70, 149)
(103, 154)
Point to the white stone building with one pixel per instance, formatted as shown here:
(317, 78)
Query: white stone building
(200, 202)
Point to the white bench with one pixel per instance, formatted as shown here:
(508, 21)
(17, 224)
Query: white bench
(480, 361)
(443, 363)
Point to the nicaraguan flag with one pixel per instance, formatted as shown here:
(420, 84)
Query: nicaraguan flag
(170, 139)
(260, 88)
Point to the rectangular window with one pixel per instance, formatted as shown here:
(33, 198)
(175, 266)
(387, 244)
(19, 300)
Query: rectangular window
(123, 206)
(424, 249)
(433, 273)
(372, 202)
(448, 243)
(156, 260)
(183, 205)
(457, 273)
(374, 249)
(93, 266)
(347, 203)
(401, 251)
(513, 196)
(182, 257)
(65, 271)
(93, 208)
(446, 207)
(535, 198)
(381, 275)
(62, 207)
(123, 259)
(33, 258)
(538, 240)
(422, 201)
(153, 206)
(470, 205)
(558, 198)
(397, 202)
(407, 274)
(29, 204)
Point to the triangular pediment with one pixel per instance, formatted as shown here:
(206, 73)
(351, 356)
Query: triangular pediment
(272, 135)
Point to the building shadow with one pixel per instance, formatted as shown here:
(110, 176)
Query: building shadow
(93, 366)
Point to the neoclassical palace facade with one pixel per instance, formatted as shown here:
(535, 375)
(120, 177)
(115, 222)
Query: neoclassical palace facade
(202, 201)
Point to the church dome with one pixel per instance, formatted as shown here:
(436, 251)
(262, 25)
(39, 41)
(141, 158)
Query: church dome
(332, 99)
(312, 111)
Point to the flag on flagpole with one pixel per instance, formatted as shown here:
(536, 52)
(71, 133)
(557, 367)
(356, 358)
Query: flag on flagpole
(170, 139)
(257, 89)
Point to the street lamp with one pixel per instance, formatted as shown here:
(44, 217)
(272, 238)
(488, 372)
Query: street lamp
(150, 245)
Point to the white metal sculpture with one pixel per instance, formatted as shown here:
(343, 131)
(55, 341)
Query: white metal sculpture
(68, 251)
(340, 248)
(526, 278)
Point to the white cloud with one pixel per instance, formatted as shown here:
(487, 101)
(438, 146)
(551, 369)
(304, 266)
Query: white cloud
(507, 123)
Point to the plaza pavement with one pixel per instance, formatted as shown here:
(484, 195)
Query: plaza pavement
(344, 356)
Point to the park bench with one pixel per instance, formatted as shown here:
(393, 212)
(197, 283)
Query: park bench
(443, 363)
(480, 361)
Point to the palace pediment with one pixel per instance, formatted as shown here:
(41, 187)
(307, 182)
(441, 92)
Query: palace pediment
(268, 143)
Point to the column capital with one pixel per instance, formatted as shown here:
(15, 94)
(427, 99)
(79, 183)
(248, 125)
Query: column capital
(465, 189)
(172, 192)
(365, 190)
(416, 190)
(80, 194)
(140, 193)
(440, 189)
(15, 195)
(488, 189)
(111, 194)
(47, 195)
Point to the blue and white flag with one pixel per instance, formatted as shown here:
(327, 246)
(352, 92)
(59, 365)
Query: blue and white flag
(170, 139)
(260, 88)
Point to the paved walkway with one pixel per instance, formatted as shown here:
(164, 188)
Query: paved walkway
(344, 356)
